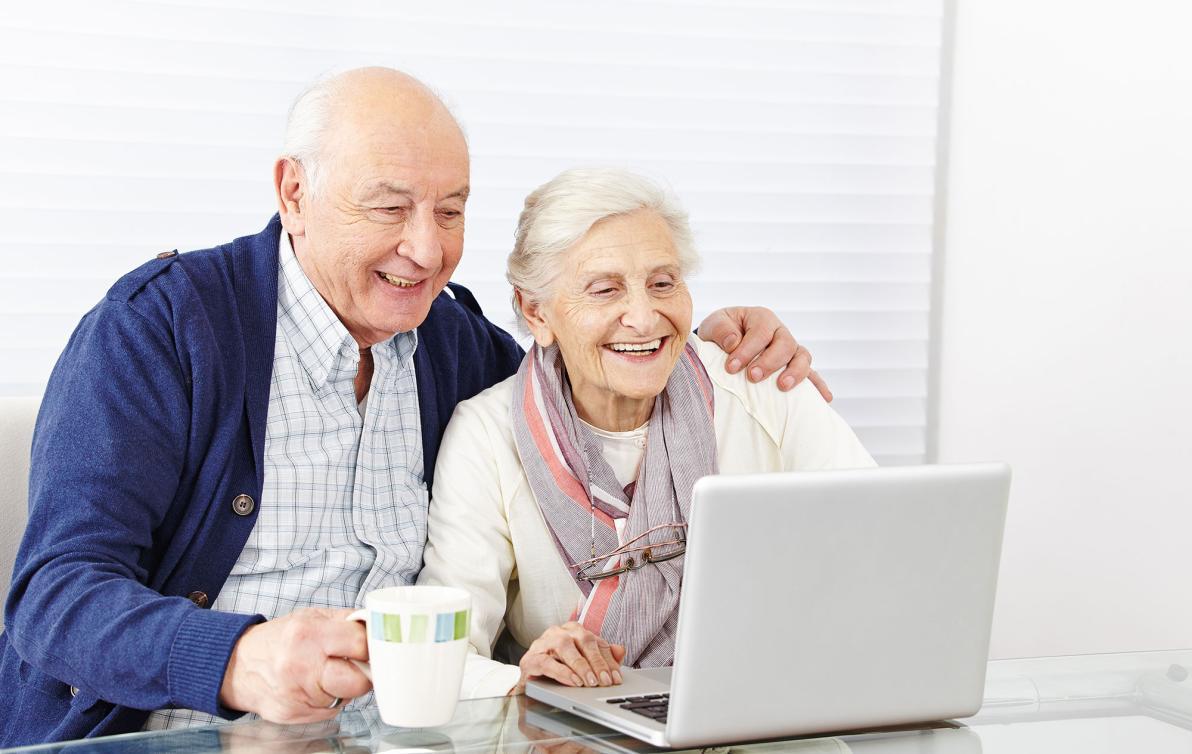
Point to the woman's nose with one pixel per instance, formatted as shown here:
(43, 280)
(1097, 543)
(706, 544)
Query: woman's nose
(640, 313)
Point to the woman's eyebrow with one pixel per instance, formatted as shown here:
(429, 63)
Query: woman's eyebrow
(587, 278)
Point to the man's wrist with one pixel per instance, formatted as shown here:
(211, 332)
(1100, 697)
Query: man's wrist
(199, 659)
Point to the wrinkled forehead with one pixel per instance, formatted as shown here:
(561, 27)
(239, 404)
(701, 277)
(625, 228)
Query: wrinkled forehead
(639, 240)
(425, 150)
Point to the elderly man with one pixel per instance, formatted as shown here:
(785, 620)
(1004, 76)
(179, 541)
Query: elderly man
(235, 445)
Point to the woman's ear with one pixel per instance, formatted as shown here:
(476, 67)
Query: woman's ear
(532, 312)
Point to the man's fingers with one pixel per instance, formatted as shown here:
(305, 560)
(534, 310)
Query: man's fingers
(720, 328)
(618, 651)
(752, 345)
(340, 637)
(796, 371)
(341, 679)
(820, 385)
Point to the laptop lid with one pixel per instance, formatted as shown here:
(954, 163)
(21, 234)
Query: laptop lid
(832, 600)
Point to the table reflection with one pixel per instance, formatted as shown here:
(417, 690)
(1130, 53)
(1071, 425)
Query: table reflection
(1098, 704)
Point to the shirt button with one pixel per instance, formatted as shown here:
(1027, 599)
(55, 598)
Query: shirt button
(243, 505)
(74, 690)
(199, 598)
(168, 254)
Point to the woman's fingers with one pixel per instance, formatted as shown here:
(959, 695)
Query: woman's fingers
(567, 651)
(589, 660)
(612, 660)
(552, 668)
(536, 664)
(618, 651)
(590, 656)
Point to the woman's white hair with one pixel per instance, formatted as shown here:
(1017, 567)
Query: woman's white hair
(561, 211)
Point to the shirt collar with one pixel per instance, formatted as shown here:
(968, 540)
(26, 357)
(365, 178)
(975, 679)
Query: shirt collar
(323, 346)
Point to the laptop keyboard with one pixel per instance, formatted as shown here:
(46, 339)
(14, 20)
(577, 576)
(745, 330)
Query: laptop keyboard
(652, 706)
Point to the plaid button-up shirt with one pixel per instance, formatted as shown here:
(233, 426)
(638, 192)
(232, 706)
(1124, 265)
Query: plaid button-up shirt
(344, 504)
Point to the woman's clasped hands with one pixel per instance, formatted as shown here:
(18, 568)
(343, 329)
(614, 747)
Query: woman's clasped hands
(573, 656)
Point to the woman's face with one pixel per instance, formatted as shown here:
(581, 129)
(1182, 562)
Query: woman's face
(620, 312)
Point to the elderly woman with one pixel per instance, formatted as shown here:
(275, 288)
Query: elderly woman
(562, 493)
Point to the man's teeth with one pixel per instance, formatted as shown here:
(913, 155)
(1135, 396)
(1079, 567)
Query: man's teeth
(399, 282)
(653, 345)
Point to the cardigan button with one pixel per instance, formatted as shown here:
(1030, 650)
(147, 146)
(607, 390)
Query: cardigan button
(243, 505)
(74, 690)
(199, 598)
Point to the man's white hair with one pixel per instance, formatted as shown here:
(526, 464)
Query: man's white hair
(561, 211)
(311, 114)
(307, 126)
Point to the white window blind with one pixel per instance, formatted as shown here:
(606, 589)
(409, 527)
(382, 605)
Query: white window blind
(801, 137)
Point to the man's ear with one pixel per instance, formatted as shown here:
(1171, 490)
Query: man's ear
(532, 312)
(290, 184)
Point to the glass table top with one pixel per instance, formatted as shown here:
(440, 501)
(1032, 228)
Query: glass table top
(1095, 704)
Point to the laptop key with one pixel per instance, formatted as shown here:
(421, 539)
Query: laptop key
(643, 704)
(650, 712)
(616, 701)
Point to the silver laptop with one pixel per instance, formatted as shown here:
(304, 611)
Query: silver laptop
(820, 601)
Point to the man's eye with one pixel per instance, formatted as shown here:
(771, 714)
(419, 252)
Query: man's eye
(449, 218)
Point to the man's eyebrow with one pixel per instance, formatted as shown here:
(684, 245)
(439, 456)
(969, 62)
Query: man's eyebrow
(386, 188)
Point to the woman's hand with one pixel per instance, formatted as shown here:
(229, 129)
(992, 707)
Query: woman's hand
(573, 656)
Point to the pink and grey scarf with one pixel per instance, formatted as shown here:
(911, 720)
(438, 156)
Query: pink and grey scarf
(572, 483)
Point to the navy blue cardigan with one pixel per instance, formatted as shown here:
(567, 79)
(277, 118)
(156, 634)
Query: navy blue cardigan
(153, 422)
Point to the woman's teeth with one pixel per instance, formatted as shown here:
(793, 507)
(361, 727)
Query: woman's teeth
(395, 280)
(651, 346)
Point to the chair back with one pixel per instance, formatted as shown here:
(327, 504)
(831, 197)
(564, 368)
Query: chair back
(17, 416)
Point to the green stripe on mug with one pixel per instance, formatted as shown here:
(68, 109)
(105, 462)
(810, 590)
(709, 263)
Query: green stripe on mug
(417, 629)
(392, 627)
(461, 624)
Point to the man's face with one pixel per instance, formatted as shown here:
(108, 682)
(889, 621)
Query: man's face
(386, 229)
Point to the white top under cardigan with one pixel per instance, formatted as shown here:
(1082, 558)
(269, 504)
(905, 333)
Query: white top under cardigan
(487, 535)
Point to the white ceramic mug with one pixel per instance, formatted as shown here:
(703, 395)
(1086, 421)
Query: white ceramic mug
(417, 645)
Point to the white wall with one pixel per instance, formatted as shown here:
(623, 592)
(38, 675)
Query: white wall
(1067, 306)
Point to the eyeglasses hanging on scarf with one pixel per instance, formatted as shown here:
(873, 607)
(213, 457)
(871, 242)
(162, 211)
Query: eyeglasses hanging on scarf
(633, 555)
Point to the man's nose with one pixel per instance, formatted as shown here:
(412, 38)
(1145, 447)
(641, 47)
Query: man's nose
(420, 241)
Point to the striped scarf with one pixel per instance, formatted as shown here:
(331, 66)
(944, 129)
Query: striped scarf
(573, 484)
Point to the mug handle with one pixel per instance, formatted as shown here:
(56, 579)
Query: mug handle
(361, 616)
